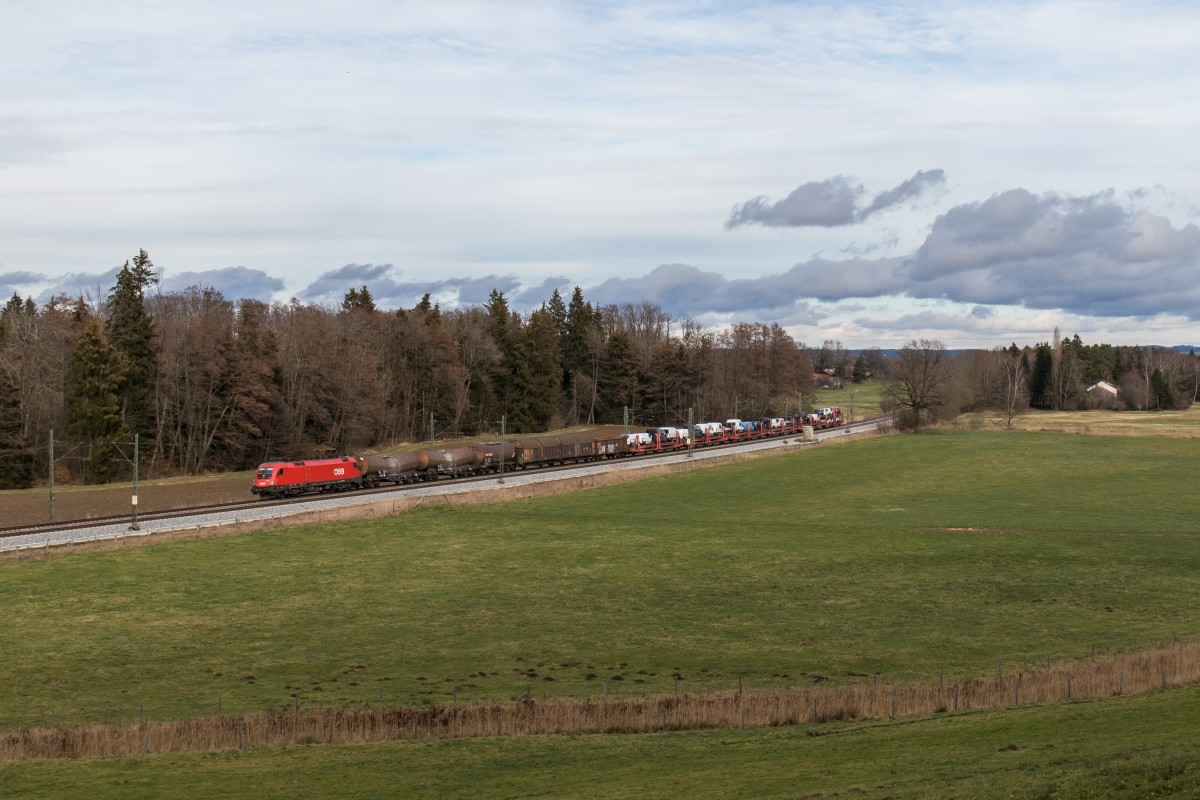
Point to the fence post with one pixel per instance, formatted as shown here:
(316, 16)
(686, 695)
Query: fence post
(956, 697)
(1068, 687)
(1121, 683)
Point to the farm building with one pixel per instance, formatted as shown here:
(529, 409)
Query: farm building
(1102, 395)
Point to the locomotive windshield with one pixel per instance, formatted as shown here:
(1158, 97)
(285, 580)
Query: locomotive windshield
(264, 473)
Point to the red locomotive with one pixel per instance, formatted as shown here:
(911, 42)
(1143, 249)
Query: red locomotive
(284, 478)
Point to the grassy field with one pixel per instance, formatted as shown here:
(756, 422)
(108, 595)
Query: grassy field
(865, 401)
(1176, 424)
(903, 555)
(1128, 747)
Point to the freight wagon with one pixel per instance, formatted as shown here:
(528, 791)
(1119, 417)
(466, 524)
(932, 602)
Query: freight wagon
(280, 478)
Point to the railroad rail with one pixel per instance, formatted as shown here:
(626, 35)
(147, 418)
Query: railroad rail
(46, 535)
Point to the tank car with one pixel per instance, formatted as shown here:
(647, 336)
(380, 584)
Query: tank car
(454, 462)
(493, 454)
(402, 468)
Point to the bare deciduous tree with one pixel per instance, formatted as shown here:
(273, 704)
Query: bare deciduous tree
(919, 379)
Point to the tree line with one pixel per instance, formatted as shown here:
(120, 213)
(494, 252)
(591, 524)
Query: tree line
(208, 383)
(1061, 374)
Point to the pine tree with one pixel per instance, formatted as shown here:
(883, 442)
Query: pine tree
(16, 459)
(860, 369)
(131, 331)
(581, 322)
(506, 334)
(541, 386)
(429, 311)
(1040, 375)
(620, 386)
(96, 376)
(359, 300)
(558, 312)
(1161, 396)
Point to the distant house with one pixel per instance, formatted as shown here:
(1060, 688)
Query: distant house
(827, 378)
(1102, 395)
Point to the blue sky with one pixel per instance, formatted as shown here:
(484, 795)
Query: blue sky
(870, 172)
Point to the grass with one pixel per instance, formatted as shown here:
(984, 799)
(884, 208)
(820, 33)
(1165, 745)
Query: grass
(866, 400)
(1158, 669)
(902, 555)
(1129, 747)
(1177, 424)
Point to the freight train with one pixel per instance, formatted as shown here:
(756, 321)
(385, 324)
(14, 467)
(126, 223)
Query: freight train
(290, 478)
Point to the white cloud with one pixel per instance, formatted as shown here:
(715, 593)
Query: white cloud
(531, 142)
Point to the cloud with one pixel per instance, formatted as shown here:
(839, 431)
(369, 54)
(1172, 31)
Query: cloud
(11, 282)
(334, 284)
(89, 285)
(534, 296)
(827, 203)
(830, 203)
(389, 292)
(1083, 254)
(914, 187)
(684, 290)
(1086, 255)
(235, 283)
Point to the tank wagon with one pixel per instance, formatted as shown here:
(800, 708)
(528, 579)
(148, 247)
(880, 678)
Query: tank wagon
(403, 468)
(288, 478)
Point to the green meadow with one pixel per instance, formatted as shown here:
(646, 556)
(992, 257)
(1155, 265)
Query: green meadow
(900, 555)
(911, 557)
(1130, 747)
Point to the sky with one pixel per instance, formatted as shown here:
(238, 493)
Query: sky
(868, 172)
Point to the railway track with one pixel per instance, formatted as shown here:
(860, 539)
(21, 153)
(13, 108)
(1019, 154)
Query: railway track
(59, 532)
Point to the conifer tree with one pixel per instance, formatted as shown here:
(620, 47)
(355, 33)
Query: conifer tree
(359, 299)
(505, 333)
(16, 459)
(620, 385)
(540, 386)
(1040, 375)
(1161, 396)
(131, 331)
(96, 376)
